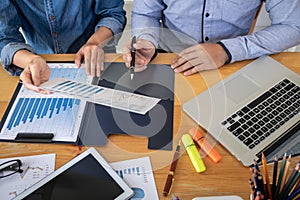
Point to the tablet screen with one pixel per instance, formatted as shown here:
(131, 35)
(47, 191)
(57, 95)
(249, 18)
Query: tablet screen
(86, 179)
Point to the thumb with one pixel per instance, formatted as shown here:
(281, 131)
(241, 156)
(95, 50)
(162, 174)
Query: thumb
(79, 58)
(36, 76)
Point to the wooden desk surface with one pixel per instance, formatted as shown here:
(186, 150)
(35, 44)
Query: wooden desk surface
(229, 177)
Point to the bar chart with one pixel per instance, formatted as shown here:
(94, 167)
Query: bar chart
(137, 173)
(57, 114)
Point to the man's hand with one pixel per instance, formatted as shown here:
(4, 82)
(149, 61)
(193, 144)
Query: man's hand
(199, 57)
(144, 52)
(93, 55)
(36, 73)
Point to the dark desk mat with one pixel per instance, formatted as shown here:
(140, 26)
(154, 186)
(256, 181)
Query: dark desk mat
(101, 121)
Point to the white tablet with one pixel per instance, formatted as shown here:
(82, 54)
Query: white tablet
(88, 176)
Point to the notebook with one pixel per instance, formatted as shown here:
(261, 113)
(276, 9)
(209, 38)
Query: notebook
(254, 110)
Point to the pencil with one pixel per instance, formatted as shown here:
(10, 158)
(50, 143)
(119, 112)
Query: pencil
(275, 167)
(280, 175)
(254, 174)
(286, 168)
(294, 195)
(256, 165)
(266, 175)
(252, 189)
(290, 183)
(258, 195)
(296, 186)
(261, 185)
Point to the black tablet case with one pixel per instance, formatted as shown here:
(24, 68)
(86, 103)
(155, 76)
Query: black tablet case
(157, 125)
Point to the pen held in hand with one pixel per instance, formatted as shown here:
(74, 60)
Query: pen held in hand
(170, 177)
(132, 63)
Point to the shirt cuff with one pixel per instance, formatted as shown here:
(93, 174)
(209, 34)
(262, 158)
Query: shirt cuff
(148, 37)
(236, 49)
(8, 53)
(115, 26)
(227, 52)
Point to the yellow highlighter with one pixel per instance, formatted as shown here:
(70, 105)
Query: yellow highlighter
(193, 153)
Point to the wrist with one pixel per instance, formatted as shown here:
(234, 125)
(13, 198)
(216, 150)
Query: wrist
(23, 58)
(227, 52)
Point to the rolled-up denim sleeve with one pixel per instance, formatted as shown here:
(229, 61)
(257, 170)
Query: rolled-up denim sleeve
(11, 39)
(283, 33)
(112, 16)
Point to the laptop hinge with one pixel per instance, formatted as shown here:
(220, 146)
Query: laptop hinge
(273, 147)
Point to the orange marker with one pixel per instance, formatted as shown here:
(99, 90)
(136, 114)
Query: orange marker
(205, 145)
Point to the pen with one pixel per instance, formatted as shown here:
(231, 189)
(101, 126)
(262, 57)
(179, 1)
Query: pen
(170, 177)
(132, 63)
(193, 153)
(205, 145)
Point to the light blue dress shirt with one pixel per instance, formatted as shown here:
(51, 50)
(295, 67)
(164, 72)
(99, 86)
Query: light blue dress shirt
(188, 22)
(54, 26)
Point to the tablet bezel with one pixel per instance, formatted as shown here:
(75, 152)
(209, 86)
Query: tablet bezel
(128, 192)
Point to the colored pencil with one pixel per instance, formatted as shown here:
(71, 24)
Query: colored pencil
(279, 181)
(290, 183)
(266, 176)
(275, 167)
(286, 169)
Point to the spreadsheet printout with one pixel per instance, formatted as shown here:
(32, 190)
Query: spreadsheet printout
(119, 99)
(37, 113)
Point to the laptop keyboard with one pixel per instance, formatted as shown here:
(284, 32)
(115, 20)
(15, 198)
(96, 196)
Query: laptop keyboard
(267, 113)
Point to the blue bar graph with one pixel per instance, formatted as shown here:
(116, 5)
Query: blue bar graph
(28, 110)
(25, 116)
(33, 111)
(41, 107)
(21, 112)
(65, 104)
(46, 108)
(55, 114)
(58, 106)
(132, 170)
(14, 115)
(52, 107)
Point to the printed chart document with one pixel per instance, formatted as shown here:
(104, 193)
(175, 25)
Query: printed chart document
(105, 96)
(34, 169)
(58, 114)
(137, 173)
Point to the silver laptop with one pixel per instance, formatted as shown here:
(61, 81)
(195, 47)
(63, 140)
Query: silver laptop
(254, 110)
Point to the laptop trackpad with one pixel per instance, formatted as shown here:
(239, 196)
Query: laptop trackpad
(239, 88)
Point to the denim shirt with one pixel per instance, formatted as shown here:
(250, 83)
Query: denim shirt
(54, 26)
(189, 22)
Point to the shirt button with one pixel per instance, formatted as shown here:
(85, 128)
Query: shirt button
(207, 15)
(55, 34)
(51, 17)
(206, 38)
